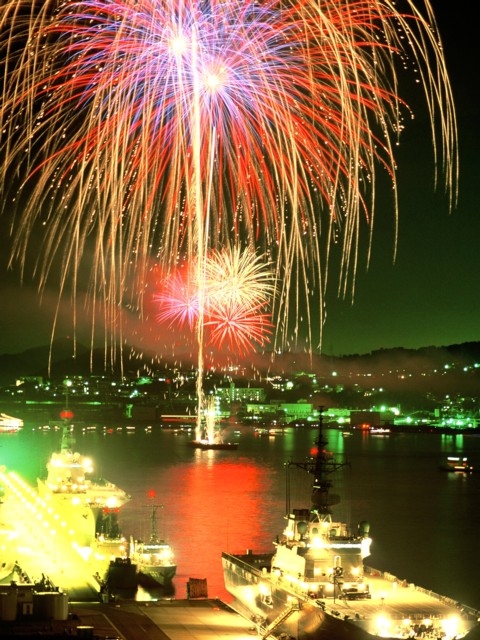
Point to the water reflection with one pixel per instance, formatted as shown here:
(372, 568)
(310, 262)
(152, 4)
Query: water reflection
(424, 523)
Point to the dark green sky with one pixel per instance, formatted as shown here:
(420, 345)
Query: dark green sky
(430, 296)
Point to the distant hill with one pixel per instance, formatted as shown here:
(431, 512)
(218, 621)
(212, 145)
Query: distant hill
(64, 358)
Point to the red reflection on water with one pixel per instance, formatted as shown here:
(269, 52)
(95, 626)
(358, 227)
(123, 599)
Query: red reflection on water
(215, 508)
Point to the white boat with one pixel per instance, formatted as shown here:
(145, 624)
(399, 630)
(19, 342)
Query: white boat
(380, 431)
(457, 464)
(59, 534)
(9, 424)
(314, 583)
(154, 559)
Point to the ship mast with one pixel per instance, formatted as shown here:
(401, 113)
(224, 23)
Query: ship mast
(153, 522)
(321, 467)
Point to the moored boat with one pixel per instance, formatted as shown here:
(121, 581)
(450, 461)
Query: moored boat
(9, 424)
(457, 464)
(113, 570)
(91, 508)
(207, 444)
(154, 559)
(314, 583)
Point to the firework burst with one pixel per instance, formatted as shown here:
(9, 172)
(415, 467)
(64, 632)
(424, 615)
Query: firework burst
(172, 128)
(238, 290)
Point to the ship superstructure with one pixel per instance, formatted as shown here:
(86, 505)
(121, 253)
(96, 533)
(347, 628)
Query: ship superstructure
(316, 549)
(154, 559)
(69, 484)
(314, 583)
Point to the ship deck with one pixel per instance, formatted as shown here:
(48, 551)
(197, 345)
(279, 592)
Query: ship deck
(399, 600)
(400, 609)
(394, 609)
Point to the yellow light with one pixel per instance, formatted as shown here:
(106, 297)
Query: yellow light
(450, 626)
(383, 625)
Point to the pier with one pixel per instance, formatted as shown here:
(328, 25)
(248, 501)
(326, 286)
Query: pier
(163, 620)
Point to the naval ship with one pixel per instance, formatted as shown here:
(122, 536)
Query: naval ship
(154, 558)
(314, 583)
(91, 508)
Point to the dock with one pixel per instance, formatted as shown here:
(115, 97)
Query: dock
(208, 619)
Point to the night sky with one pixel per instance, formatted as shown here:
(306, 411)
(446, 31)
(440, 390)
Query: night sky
(429, 296)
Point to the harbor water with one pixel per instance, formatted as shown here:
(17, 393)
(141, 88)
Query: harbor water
(424, 522)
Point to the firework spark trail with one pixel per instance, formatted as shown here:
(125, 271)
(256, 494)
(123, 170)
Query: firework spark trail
(172, 128)
(227, 295)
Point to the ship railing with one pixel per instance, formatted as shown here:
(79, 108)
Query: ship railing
(465, 610)
(259, 564)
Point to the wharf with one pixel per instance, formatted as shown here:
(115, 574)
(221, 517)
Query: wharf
(208, 619)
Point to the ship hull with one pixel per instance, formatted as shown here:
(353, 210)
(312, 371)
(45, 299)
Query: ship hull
(278, 607)
(121, 575)
(303, 620)
(156, 575)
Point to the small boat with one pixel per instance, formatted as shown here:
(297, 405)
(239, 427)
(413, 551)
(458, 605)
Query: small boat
(457, 464)
(380, 431)
(114, 573)
(9, 424)
(207, 444)
(314, 582)
(276, 431)
(154, 559)
(208, 435)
